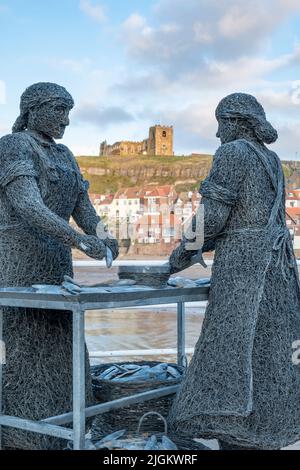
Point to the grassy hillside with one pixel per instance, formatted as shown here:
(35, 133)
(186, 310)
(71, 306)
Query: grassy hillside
(108, 174)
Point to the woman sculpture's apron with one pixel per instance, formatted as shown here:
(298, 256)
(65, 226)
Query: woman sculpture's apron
(276, 229)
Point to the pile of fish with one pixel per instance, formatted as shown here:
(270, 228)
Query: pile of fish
(134, 372)
(184, 282)
(118, 441)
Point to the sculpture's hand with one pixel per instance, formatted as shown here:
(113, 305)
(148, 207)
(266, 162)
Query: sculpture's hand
(92, 246)
(107, 238)
(180, 258)
(113, 244)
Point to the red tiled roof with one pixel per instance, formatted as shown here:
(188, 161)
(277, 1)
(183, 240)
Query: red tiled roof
(105, 202)
(159, 191)
(293, 210)
(128, 193)
(287, 213)
(147, 191)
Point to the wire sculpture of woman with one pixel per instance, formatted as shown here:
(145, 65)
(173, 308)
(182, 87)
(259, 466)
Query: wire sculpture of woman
(41, 187)
(243, 384)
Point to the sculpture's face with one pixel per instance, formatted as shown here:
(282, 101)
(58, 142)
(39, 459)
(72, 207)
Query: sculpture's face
(228, 129)
(50, 118)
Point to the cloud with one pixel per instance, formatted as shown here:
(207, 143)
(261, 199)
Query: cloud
(91, 113)
(94, 11)
(284, 102)
(239, 21)
(134, 22)
(185, 56)
(288, 144)
(216, 76)
(195, 124)
(182, 57)
(141, 83)
(202, 31)
(243, 72)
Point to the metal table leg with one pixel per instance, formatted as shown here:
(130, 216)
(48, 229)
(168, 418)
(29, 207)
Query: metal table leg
(181, 334)
(78, 379)
(2, 361)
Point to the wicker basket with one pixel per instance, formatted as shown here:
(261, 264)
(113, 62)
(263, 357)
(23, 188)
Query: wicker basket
(107, 390)
(136, 440)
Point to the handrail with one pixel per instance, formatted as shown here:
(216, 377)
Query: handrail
(117, 263)
(93, 263)
(137, 352)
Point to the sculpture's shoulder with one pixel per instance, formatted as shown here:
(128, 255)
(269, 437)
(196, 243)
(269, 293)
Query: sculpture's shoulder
(274, 155)
(16, 158)
(65, 149)
(229, 165)
(69, 156)
(13, 140)
(15, 147)
(234, 150)
(231, 156)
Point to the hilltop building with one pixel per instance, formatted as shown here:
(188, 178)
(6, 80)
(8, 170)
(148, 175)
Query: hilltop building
(159, 142)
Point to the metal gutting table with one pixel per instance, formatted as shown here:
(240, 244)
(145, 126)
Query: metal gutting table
(54, 297)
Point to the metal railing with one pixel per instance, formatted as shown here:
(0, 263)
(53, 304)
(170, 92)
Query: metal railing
(138, 352)
(102, 264)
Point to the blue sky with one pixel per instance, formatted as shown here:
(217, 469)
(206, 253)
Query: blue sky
(132, 63)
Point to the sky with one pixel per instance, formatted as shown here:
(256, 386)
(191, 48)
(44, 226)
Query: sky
(130, 64)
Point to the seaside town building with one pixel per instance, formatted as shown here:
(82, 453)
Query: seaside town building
(157, 199)
(156, 228)
(126, 204)
(157, 214)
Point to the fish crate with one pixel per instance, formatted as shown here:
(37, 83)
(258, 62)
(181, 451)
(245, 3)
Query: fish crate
(108, 390)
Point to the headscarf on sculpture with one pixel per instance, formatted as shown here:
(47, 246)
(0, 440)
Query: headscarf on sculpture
(37, 95)
(246, 108)
(248, 120)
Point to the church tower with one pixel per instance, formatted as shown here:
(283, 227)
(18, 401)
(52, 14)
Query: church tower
(160, 140)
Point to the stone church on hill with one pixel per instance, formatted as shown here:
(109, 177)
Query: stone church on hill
(159, 142)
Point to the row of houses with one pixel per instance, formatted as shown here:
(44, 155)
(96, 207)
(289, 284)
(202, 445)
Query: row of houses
(151, 214)
(293, 215)
(154, 214)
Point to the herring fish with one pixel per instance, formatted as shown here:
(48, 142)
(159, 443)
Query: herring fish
(167, 444)
(151, 443)
(110, 438)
